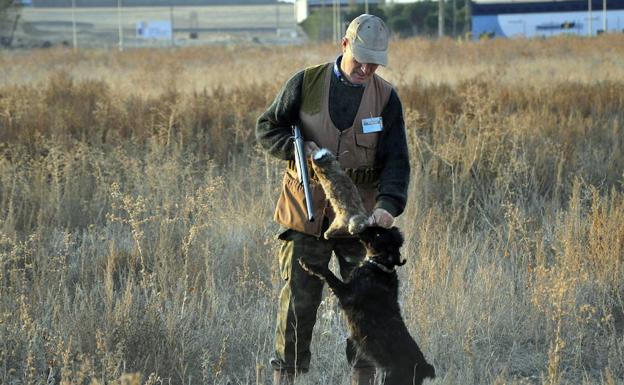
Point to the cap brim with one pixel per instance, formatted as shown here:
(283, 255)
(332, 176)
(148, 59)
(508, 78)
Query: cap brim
(365, 55)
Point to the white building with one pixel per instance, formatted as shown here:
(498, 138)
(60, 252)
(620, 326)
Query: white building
(546, 18)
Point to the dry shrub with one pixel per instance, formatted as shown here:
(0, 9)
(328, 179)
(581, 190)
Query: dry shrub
(136, 233)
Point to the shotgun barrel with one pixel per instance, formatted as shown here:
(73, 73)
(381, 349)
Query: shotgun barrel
(302, 170)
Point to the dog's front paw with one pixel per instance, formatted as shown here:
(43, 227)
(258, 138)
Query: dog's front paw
(312, 270)
(304, 266)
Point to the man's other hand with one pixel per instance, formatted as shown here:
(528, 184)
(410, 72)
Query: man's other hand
(382, 218)
(309, 148)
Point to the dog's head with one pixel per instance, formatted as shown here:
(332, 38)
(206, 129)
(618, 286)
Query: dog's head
(384, 245)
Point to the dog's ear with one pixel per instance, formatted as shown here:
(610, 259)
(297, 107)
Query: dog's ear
(397, 235)
(367, 234)
(396, 258)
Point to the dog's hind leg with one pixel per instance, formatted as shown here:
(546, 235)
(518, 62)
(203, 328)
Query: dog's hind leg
(410, 375)
(397, 376)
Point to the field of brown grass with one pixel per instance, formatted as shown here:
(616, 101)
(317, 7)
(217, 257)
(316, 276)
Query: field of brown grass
(136, 241)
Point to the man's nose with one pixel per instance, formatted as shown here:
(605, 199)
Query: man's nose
(368, 68)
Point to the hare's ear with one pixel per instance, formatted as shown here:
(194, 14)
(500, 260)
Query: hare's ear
(318, 154)
(323, 156)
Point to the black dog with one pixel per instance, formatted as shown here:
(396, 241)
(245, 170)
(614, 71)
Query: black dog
(369, 299)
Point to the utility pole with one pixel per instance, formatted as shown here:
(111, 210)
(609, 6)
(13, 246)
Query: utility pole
(277, 18)
(589, 23)
(338, 19)
(334, 34)
(333, 20)
(171, 22)
(454, 18)
(13, 29)
(604, 16)
(74, 37)
(324, 32)
(119, 25)
(441, 18)
(468, 18)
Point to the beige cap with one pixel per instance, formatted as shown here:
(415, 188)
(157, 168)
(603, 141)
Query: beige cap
(368, 37)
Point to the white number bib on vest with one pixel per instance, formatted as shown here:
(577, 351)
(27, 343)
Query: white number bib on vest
(371, 125)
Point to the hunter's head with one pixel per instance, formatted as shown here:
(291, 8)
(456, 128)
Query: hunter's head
(364, 48)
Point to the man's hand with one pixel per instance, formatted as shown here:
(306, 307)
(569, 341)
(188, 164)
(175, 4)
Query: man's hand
(309, 148)
(382, 218)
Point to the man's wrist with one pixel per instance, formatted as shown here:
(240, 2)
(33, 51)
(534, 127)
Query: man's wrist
(387, 205)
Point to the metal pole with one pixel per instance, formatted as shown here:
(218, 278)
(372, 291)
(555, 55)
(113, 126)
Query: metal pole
(365, 6)
(454, 18)
(10, 42)
(339, 21)
(276, 18)
(74, 37)
(589, 23)
(323, 33)
(468, 19)
(441, 18)
(171, 22)
(119, 25)
(334, 34)
(604, 16)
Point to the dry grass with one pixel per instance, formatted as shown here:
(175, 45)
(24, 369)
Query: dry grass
(136, 245)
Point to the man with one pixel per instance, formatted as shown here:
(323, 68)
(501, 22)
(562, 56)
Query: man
(345, 107)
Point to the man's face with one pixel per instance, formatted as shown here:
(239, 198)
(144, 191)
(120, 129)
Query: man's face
(354, 71)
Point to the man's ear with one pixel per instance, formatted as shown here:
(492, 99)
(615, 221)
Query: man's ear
(344, 43)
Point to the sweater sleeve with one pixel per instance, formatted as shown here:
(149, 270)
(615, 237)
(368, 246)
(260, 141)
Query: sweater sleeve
(393, 159)
(273, 128)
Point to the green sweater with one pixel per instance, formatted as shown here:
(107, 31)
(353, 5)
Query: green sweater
(273, 132)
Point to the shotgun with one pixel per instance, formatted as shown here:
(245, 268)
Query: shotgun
(302, 170)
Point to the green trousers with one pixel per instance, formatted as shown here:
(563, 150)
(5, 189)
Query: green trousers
(301, 294)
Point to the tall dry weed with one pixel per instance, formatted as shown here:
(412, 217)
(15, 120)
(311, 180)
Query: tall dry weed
(136, 244)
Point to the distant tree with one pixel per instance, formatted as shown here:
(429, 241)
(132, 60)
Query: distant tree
(319, 24)
(9, 14)
(421, 18)
(402, 26)
(395, 10)
(357, 10)
(4, 6)
(405, 20)
(419, 15)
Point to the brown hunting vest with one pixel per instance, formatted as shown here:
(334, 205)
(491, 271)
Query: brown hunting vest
(355, 149)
